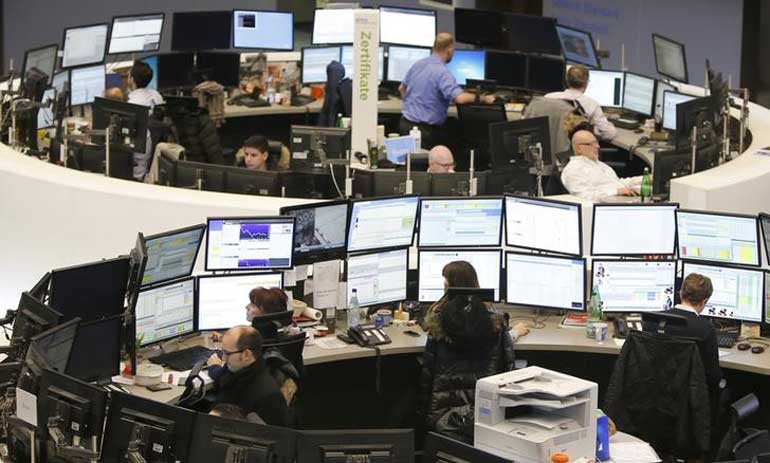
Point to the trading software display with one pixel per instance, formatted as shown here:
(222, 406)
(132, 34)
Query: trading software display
(165, 312)
(546, 281)
(171, 256)
(719, 238)
(378, 278)
(739, 294)
(243, 244)
(136, 34)
(635, 286)
(623, 230)
(460, 222)
(541, 225)
(431, 282)
(382, 223)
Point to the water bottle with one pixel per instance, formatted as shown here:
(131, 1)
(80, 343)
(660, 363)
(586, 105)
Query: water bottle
(646, 190)
(594, 313)
(417, 135)
(354, 310)
(339, 120)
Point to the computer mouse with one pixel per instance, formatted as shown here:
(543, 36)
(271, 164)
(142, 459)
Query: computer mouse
(757, 349)
(642, 141)
(743, 346)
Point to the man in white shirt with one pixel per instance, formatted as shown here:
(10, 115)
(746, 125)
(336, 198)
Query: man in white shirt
(589, 178)
(577, 82)
(140, 77)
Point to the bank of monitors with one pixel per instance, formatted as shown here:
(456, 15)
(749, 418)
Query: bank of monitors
(508, 69)
(551, 282)
(41, 59)
(333, 26)
(84, 45)
(577, 46)
(379, 277)
(347, 61)
(135, 34)
(670, 58)
(606, 87)
(670, 101)
(90, 291)
(718, 237)
(86, 84)
(634, 230)
(634, 285)
(314, 62)
(266, 30)
(739, 293)
(165, 311)
(217, 439)
(320, 230)
(401, 59)
(249, 243)
(486, 262)
(382, 223)
(407, 26)
(201, 30)
(467, 64)
(639, 94)
(543, 225)
(460, 222)
(222, 298)
(172, 254)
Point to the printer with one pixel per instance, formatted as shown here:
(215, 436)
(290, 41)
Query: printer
(529, 414)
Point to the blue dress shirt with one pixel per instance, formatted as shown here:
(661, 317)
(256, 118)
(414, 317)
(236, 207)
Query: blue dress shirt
(430, 87)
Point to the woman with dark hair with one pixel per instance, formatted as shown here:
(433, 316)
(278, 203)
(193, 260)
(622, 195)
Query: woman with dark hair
(266, 301)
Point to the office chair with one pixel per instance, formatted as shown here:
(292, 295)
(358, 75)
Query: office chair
(744, 443)
(291, 348)
(474, 122)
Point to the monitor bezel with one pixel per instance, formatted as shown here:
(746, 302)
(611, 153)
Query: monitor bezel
(673, 261)
(383, 248)
(55, 59)
(673, 253)
(387, 60)
(302, 62)
(195, 309)
(160, 37)
(104, 66)
(319, 256)
(324, 44)
(82, 65)
(684, 58)
(384, 251)
(290, 265)
(407, 9)
(597, 65)
(201, 226)
(194, 50)
(554, 201)
(760, 216)
(622, 90)
(654, 93)
(723, 214)
(547, 256)
(500, 275)
(732, 267)
(232, 30)
(196, 318)
(663, 107)
(460, 198)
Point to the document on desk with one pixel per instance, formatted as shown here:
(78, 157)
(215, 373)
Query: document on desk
(330, 343)
(633, 452)
(326, 281)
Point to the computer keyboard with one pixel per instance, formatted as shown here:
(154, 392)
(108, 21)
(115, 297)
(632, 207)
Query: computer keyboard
(727, 338)
(182, 360)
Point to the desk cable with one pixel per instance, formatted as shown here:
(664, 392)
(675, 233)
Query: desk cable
(378, 368)
(334, 179)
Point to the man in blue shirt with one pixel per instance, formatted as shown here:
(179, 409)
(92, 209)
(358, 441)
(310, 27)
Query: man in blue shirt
(427, 90)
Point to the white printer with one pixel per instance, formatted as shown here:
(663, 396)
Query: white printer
(548, 412)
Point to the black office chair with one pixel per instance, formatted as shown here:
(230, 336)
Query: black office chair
(291, 348)
(474, 122)
(744, 443)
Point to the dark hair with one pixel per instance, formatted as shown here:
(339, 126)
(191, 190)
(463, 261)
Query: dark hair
(577, 76)
(230, 411)
(249, 339)
(470, 322)
(141, 73)
(257, 142)
(696, 288)
(270, 300)
(460, 274)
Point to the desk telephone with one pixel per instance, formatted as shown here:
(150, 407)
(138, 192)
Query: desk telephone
(367, 337)
(624, 325)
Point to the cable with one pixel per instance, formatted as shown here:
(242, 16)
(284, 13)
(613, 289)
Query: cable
(334, 179)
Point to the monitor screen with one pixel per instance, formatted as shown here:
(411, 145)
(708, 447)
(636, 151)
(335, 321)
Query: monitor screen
(545, 74)
(378, 278)
(661, 87)
(546, 281)
(634, 230)
(61, 81)
(543, 225)
(267, 30)
(84, 45)
(739, 294)
(639, 94)
(95, 354)
(42, 59)
(319, 229)
(718, 237)
(333, 25)
(222, 300)
(314, 62)
(669, 58)
(249, 243)
(165, 312)
(90, 291)
(86, 84)
(456, 222)
(479, 27)
(531, 34)
(45, 115)
(467, 64)
(487, 264)
(764, 221)
(606, 87)
(578, 46)
(634, 286)
(382, 223)
(401, 59)
(175, 70)
(670, 101)
(507, 69)
(201, 30)
(172, 255)
(407, 26)
(347, 61)
(132, 34)
(152, 61)
(397, 148)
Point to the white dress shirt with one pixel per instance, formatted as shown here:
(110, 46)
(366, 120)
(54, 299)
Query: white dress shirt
(150, 98)
(602, 127)
(594, 180)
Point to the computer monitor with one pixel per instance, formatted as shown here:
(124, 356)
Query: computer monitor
(248, 243)
(545, 74)
(175, 70)
(458, 184)
(320, 230)
(669, 165)
(764, 222)
(127, 123)
(460, 222)
(670, 102)
(661, 87)
(32, 318)
(407, 26)
(333, 25)
(670, 60)
(401, 59)
(165, 311)
(191, 175)
(508, 69)
(90, 291)
(221, 67)
(158, 432)
(718, 237)
(634, 230)
(61, 81)
(52, 348)
(84, 45)
(739, 293)
(172, 254)
(467, 64)
(531, 34)
(314, 63)
(382, 223)
(386, 445)
(217, 439)
(700, 113)
(201, 30)
(578, 46)
(264, 30)
(479, 27)
(639, 94)
(509, 142)
(135, 34)
(486, 262)
(43, 59)
(347, 61)
(221, 299)
(393, 183)
(252, 182)
(379, 277)
(86, 84)
(546, 281)
(317, 147)
(397, 148)
(544, 225)
(96, 352)
(45, 116)
(634, 285)
(442, 449)
(606, 87)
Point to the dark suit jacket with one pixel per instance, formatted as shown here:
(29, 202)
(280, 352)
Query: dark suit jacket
(252, 389)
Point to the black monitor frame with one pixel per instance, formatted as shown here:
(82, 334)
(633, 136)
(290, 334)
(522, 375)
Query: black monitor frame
(493, 23)
(223, 72)
(383, 248)
(595, 261)
(667, 166)
(24, 69)
(264, 219)
(663, 107)
(673, 252)
(553, 257)
(253, 182)
(499, 252)
(439, 448)
(241, 47)
(302, 62)
(89, 64)
(32, 318)
(721, 214)
(499, 198)
(145, 15)
(532, 47)
(91, 359)
(730, 266)
(311, 444)
(200, 278)
(181, 81)
(686, 119)
(657, 61)
(279, 443)
(499, 78)
(83, 267)
(36, 354)
(195, 309)
(309, 257)
(201, 227)
(407, 10)
(497, 150)
(212, 176)
(421, 182)
(103, 111)
(441, 184)
(547, 201)
(651, 112)
(175, 46)
(597, 64)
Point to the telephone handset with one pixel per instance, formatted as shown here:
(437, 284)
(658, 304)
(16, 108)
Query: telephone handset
(367, 337)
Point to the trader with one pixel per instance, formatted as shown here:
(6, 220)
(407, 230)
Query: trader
(255, 153)
(441, 160)
(427, 90)
(140, 77)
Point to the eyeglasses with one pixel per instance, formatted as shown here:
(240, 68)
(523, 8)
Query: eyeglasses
(229, 353)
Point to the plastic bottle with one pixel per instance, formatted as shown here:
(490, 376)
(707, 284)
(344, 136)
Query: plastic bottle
(354, 310)
(417, 135)
(646, 189)
(594, 312)
(339, 120)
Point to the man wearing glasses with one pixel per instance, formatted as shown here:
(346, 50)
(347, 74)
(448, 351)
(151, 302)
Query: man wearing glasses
(441, 160)
(242, 378)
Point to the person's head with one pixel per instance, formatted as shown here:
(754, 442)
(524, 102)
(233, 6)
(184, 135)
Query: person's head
(265, 301)
(577, 77)
(141, 74)
(255, 149)
(241, 347)
(460, 274)
(440, 160)
(584, 143)
(229, 411)
(444, 46)
(696, 291)
(115, 93)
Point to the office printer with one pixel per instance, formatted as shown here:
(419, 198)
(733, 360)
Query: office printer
(527, 415)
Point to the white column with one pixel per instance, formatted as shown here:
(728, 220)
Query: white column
(366, 43)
